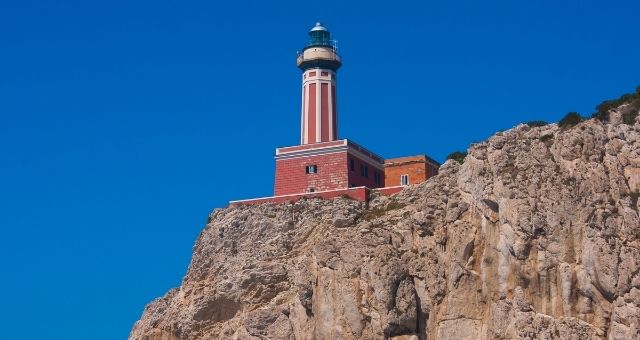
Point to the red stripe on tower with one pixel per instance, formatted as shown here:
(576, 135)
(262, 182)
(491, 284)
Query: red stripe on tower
(311, 118)
(334, 112)
(324, 95)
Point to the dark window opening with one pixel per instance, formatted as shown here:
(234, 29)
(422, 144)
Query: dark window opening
(364, 171)
(312, 189)
(376, 177)
(312, 169)
(352, 164)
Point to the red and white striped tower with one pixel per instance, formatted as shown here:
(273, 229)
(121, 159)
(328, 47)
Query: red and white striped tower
(319, 63)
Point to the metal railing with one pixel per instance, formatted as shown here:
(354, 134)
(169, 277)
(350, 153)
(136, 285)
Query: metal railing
(327, 43)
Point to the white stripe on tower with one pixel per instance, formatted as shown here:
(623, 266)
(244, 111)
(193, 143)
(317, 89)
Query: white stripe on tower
(302, 115)
(330, 109)
(318, 109)
(306, 114)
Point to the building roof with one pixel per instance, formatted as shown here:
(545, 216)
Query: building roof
(411, 159)
(318, 27)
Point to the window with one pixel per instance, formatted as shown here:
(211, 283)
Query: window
(364, 170)
(352, 164)
(312, 189)
(312, 169)
(376, 177)
(404, 180)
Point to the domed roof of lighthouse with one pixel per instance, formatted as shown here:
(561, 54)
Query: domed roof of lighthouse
(319, 27)
(320, 36)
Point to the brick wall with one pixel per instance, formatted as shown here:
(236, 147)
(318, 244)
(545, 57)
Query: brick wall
(419, 169)
(356, 179)
(291, 176)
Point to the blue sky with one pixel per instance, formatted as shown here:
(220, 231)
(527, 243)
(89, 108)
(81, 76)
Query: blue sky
(123, 123)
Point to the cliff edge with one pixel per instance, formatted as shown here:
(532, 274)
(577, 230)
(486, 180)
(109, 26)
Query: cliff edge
(535, 236)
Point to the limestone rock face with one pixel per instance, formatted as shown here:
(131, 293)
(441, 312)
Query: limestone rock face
(535, 236)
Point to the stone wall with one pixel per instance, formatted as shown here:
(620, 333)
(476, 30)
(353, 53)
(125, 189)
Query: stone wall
(291, 176)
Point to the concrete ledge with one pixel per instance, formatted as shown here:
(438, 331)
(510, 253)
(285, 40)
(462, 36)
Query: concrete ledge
(358, 193)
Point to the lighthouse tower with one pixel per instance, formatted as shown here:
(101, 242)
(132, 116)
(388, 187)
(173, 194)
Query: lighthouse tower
(319, 62)
(322, 163)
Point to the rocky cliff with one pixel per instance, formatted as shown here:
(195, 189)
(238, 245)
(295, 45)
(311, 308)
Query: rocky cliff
(535, 236)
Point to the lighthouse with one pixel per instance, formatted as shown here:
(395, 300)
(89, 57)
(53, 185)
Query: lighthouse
(323, 165)
(319, 62)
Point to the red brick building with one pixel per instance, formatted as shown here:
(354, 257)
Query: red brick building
(323, 165)
(409, 170)
(326, 166)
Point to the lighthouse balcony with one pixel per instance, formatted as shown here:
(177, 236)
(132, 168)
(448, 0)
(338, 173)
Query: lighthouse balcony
(319, 57)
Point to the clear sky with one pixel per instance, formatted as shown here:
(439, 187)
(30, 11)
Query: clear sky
(124, 123)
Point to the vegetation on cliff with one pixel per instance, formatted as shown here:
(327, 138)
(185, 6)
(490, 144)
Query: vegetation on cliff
(604, 108)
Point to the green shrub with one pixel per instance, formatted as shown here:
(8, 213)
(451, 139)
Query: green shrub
(547, 139)
(458, 156)
(601, 115)
(570, 119)
(630, 117)
(394, 205)
(602, 110)
(537, 123)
